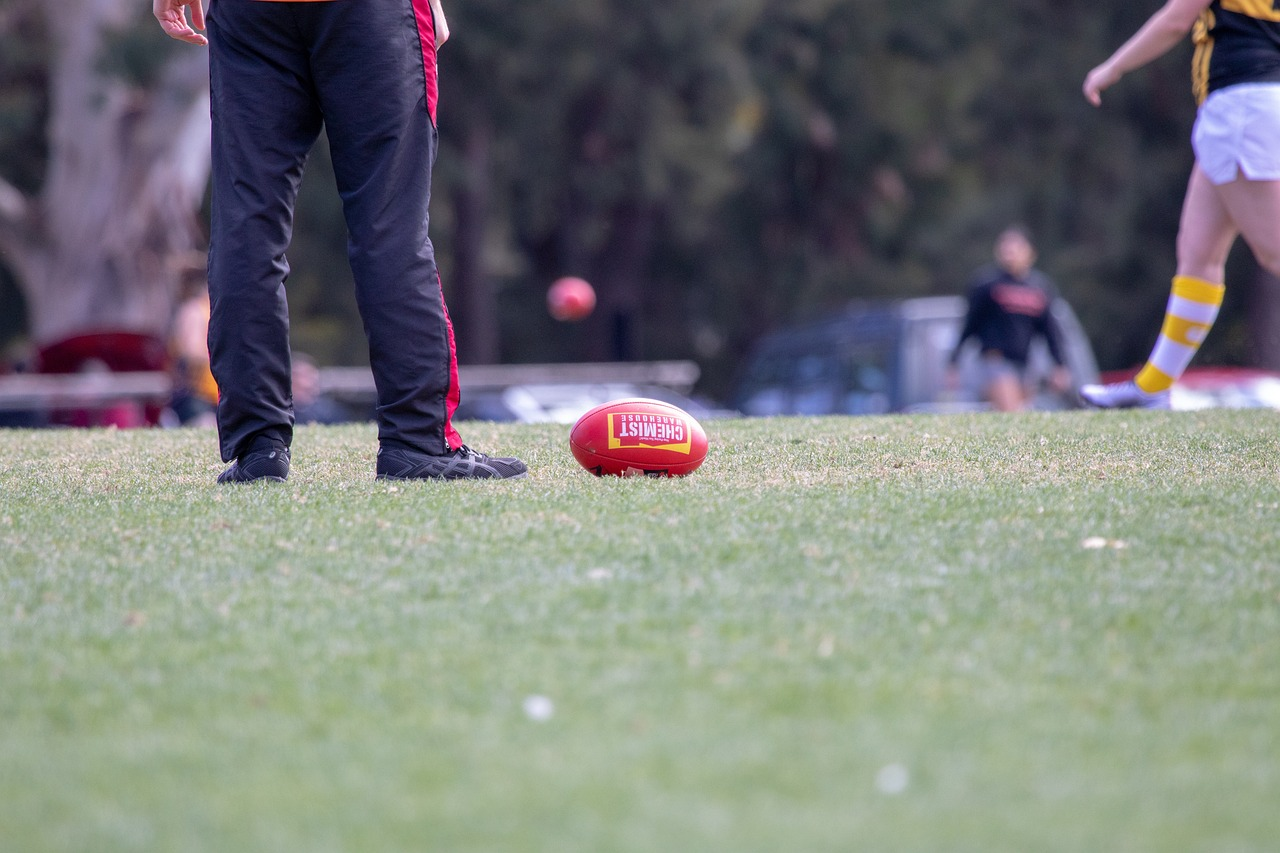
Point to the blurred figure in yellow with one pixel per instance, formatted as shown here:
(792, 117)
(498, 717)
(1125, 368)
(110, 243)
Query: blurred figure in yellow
(195, 395)
(311, 405)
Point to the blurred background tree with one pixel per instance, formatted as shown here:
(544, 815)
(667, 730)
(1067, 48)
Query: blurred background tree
(721, 168)
(99, 212)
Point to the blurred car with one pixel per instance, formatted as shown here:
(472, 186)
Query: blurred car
(1218, 388)
(564, 403)
(879, 357)
(539, 393)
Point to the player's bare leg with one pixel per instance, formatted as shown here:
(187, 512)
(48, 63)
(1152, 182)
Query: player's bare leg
(1206, 230)
(1006, 394)
(1205, 236)
(1254, 210)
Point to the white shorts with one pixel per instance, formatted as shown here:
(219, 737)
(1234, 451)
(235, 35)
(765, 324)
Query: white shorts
(1237, 132)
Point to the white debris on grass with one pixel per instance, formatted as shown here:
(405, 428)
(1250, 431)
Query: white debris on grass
(1097, 543)
(893, 779)
(539, 708)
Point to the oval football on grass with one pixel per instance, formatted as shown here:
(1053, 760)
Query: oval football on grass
(636, 437)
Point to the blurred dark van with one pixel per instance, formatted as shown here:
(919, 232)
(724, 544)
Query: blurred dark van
(878, 357)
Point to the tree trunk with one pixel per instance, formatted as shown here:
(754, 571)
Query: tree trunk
(1264, 320)
(477, 315)
(102, 246)
(621, 283)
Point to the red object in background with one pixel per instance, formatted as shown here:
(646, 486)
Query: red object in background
(117, 352)
(1198, 378)
(638, 436)
(1209, 378)
(1124, 374)
(571, 298)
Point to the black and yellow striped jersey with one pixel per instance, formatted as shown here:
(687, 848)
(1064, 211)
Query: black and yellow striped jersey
(1237, 41)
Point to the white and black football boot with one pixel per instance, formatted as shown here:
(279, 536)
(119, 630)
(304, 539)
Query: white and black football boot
(399, 463)
(1123, 395)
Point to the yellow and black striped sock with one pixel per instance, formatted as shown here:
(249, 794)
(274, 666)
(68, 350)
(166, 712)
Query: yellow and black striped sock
(1193, 306)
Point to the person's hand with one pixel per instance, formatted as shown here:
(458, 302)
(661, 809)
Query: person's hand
(1103, 77)
(172, 15)
(1060, 380)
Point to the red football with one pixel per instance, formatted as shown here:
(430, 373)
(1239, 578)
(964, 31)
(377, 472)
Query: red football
(637, 436)
(570, 298)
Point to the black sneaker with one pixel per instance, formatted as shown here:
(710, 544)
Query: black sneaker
(396, 463)
(269, 461)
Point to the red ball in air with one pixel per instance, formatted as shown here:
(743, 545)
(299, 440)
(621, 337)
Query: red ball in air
(570, 299)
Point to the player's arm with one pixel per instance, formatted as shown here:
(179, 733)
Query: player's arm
(172, 15)
(1047, 325)
(442, 26)
(975, 307)
(1162, 31)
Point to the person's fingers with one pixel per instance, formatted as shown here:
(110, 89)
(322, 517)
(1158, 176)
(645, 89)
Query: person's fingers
(182, 32)
(1091, 92)
(173, 20)
(197, 14)
(1097, 81)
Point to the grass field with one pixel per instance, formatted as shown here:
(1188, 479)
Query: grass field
(987, 633)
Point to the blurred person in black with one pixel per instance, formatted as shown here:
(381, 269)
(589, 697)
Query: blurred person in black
(1009, 306)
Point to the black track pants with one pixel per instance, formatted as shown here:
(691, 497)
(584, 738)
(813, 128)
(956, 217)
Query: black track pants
(365, 71)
